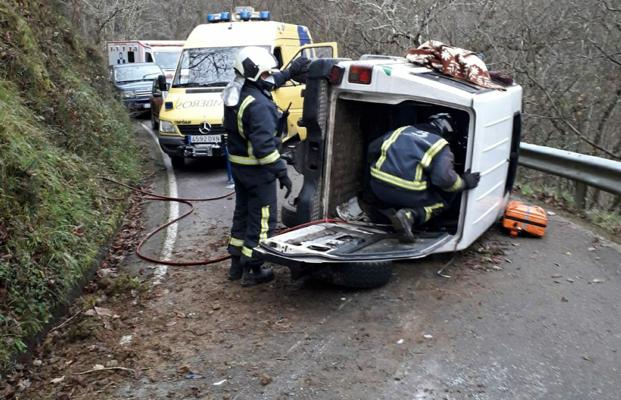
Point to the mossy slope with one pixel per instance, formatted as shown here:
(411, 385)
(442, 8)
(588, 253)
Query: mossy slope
(60, 128)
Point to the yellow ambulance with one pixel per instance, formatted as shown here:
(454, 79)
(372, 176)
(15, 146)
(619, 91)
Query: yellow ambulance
(190, 120)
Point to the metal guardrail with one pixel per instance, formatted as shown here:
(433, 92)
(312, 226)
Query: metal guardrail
(590, 170)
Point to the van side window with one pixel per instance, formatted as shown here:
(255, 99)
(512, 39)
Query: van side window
(149, 58)
(130, 57)
(278, 56)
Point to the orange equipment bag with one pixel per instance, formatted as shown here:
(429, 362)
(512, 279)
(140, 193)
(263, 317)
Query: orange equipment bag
(520, 217)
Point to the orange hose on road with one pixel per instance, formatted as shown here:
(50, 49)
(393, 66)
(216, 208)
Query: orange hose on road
(158, 197)
(187, 201)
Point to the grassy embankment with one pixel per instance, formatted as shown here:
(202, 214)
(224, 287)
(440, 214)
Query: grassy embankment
(60, 128)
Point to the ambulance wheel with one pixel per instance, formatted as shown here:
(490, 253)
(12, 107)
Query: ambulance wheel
(177, 162)
(362, 275)
(154, 124)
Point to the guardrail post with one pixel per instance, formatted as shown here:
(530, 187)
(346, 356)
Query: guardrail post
(580, 195)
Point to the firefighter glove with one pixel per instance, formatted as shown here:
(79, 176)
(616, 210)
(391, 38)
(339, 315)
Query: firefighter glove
(299, 68)
(285, 182)
(471, 179)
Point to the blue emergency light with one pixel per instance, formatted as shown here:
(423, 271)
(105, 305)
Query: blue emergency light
(245, 15)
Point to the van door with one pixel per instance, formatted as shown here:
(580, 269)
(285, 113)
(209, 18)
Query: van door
(291, 92)
(491, 153)
(331, 242)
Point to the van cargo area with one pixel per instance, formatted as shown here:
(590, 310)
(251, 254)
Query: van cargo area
(357, 123)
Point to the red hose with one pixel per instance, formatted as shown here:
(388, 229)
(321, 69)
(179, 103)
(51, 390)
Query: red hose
(158, 197)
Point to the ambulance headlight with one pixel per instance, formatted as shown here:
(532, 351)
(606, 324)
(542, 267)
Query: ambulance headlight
(128, 94)
(167, 127)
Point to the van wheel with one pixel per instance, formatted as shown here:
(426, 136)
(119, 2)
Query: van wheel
(362, 275)
(154, 124)
(177, 162)
(288, 214)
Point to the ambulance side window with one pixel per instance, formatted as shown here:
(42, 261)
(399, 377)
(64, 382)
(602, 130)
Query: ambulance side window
(130, 57)
(149, 58)
(278, 56)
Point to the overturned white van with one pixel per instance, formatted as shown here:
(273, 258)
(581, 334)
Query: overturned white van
(349, 103)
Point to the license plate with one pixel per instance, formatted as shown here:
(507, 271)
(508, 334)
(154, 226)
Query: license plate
(205, 139)
(148, 105)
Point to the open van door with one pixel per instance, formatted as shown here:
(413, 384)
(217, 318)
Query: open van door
(336, 242)
(291, 92)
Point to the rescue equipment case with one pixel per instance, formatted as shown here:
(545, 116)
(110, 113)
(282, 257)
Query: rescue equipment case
(520, 217)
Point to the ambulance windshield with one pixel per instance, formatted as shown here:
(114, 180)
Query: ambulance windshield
(206, 67)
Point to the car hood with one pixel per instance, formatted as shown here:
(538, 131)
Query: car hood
(142, 85)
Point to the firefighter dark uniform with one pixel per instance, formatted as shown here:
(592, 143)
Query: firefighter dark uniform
(254, 125)
(253, 144)
(412, 168)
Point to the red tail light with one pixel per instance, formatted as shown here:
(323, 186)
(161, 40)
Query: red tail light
(336, 74)
(360, 74)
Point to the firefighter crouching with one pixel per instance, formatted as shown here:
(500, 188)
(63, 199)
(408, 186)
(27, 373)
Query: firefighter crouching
(254, 124)
(411, 173)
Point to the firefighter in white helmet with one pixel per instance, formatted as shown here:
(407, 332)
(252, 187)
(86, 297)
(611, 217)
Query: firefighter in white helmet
(254, 126)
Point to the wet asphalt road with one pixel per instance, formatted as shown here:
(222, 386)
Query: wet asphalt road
(542, 320)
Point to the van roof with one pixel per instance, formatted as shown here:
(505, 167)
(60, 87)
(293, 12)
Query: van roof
(261, 33)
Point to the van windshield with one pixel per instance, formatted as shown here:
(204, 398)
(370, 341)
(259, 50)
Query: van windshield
(206, 67)
(166, 59)
(132, 73)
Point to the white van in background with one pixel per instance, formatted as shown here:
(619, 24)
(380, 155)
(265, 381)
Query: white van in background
(165, 53)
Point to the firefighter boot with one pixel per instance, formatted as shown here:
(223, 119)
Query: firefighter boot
(235, 270)
(402, 221)
(256, 274)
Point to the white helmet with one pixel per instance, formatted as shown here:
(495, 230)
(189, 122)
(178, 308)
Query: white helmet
(253, 61)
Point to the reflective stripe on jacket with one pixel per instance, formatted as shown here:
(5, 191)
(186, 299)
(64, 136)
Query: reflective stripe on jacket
(251, 126)
(404, 158)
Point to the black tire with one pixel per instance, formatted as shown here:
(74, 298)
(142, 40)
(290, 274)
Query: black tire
(177, 162)
(155, 125)
(361, 275)
(288, 214)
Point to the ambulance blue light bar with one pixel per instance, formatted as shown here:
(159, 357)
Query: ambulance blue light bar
(242, 15)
